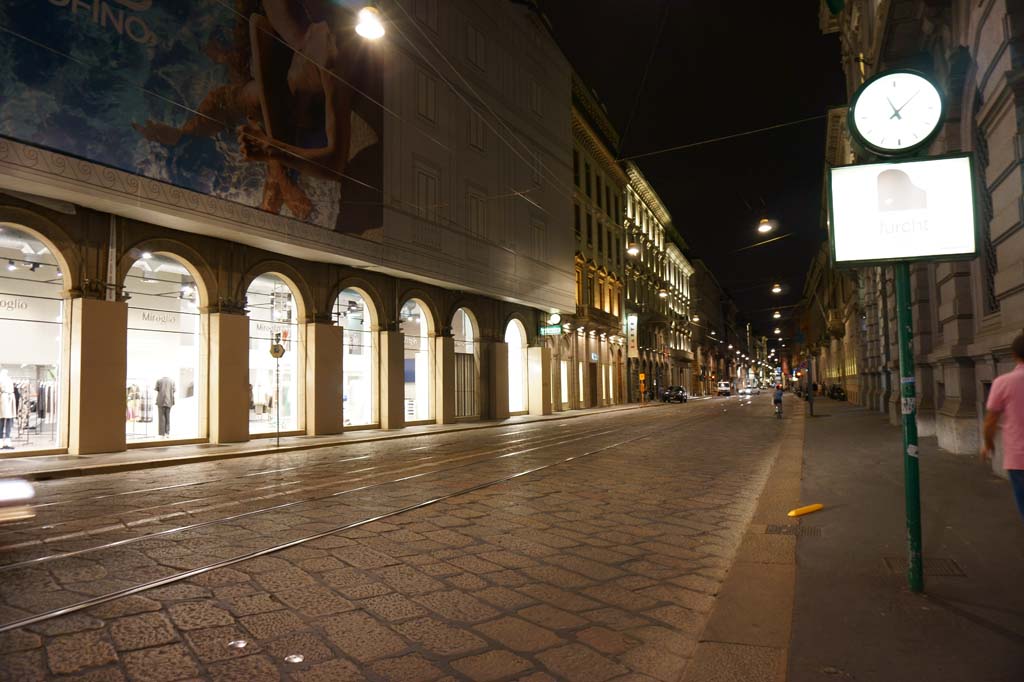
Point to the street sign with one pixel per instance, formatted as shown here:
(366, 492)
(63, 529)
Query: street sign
(276, 350)
(642, 376)
(550, 330)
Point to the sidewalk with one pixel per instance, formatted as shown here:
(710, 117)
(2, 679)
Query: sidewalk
(853, 617)
(47, 467)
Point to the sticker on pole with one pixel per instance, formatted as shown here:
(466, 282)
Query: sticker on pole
(908, 405)
(912, 451)
(276, 350)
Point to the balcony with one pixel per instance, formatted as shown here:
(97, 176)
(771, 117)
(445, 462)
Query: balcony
(588, 315)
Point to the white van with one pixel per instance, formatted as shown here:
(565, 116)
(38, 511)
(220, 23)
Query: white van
(724, 388)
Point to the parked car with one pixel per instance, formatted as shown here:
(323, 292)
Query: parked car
(724, 388)
(753, 390)
(674, 394)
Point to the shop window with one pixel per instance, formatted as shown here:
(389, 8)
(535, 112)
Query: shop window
(417, 363)
(515, 338)
(273, 383)
(359, 358)
(464, 333)
(165, 386)
(31, 324)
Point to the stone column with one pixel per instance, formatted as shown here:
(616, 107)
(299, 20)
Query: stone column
(495, 358)
(97, 375)
(392, 380)
(444, 379)
(229, 377)
(324, 385)
(539, 366)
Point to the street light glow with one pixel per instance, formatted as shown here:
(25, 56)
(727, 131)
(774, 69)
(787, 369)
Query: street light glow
(632, 249)
(776, 288)
(370, 25)
(663, 293)
(764, 227)
(776, 315)
(778, 331)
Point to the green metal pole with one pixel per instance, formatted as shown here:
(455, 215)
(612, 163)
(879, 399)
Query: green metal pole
(908, 406)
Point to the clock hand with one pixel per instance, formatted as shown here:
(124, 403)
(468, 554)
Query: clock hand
(906, 103)
(895, 111)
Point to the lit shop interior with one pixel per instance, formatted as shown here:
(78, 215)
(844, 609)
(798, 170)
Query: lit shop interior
(359, 359)
(31, 324)
(163, 388)
(273, 383)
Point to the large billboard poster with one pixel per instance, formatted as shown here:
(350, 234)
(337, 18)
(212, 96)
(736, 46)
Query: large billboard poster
(903, 210)
(268, 103)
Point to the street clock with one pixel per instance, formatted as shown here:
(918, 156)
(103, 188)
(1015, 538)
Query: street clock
(896, 112)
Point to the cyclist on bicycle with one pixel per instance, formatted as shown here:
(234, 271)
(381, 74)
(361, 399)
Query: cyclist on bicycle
(777, 400)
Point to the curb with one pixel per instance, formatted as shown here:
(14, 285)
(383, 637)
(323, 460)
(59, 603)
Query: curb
(118, 467)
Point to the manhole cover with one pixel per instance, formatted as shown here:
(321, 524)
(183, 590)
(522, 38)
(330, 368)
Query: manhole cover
(803, 531)
(932, 566)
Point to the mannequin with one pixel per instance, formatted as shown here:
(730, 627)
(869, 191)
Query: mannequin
(8, 409)
(164, 403)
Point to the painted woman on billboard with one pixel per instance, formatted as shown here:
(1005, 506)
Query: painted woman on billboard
(284, 114)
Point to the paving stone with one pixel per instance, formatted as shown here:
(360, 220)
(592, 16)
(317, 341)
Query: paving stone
(363, 557)
(519, 635)
(141, 631)
(556, 576)
(457, 606)
(321, 564)
(309, 646)
(617, 596)
(23, 666)
(338, 670)
(315, 600)
(467, 582)
(679, 618)
(247, 669)
(393, 607)
(362, 637)
(125, 606)
(19, 640)
(408, 580)
(412, 668)
(440, 638)
(671, 640)
(246, 605)
(475, 564)
(491, 666)
(161, 664)
(284, 579)
(698, 583)
(193, 615)
(504, 598)
(655, 662)
(265, 564)
(212, 644)
(577, 663)
(66, 625)
(220, 576)
(606, 641)
(365, 591)
(273, 624)
(72, 653)
(97, 675)
(179, 591)
(695, 601)
(550, 617)
(616, 619)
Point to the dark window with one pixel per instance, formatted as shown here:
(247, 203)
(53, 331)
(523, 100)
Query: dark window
(618, 251)
(590, 229)
(576, 167)
(576, 218)
(586, 173)
(600, 238)
(608, 200)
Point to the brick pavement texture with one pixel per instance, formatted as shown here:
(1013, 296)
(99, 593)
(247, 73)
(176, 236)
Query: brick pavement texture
(604, 568)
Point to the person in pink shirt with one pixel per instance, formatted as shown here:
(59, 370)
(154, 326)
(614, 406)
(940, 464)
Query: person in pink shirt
(1006, 400)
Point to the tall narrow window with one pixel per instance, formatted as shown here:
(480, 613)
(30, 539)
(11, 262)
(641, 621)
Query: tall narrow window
(590, 229)
(476, 214)
(576, 167)
(426, 193)
(600, 238)
(476, 47)
(586, 176)
(576, 220)
(476, 130)
(426, 96)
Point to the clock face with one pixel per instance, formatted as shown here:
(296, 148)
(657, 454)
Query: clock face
(896, 111)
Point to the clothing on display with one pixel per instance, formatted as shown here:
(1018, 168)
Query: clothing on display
(8, 409)
(164, 403)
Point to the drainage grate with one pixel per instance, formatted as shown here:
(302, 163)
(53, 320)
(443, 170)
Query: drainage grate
(803, 531)
(932, 566)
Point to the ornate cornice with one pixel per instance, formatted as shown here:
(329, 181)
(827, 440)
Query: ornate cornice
(587, 102)
(640, 185)
(589, 140)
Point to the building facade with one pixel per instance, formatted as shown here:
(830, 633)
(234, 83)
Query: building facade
(966, 313)
(657, 278)
(396, 243)
(587, 351)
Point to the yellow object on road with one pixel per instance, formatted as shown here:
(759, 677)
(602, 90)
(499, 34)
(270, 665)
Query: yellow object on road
(800, 511)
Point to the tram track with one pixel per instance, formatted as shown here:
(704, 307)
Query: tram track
(308, 468)
(430, 500)
(473, 457)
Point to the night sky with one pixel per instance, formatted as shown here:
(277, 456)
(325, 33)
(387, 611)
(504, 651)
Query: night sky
(720, 68)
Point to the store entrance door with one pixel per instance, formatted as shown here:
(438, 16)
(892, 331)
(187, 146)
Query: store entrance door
(593, 385)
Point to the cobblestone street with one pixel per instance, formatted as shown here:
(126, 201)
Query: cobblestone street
(589, 549)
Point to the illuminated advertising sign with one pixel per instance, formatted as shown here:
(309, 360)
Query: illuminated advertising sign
(903, 210)
(632, 346)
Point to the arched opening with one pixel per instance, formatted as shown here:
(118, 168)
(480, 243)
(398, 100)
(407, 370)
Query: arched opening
(515, 338)
(273, 382)
(466, 365)
(418, 368)
(165, 386)
(354, 312)
(32, 326)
